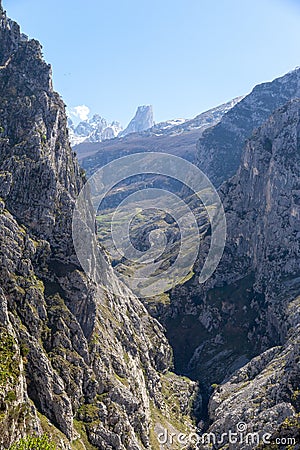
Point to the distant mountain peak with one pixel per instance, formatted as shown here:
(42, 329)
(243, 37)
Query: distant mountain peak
(96, 129)
(143, 120)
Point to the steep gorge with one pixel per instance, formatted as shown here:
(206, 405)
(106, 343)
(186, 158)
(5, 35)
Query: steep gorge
(89, 367)
(92, 368)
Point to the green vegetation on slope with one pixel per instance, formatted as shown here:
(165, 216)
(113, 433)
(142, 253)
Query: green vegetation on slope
(34, 443)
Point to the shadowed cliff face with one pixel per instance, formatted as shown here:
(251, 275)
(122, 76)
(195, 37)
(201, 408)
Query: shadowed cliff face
(41, 176)
(250, 306)
(95, 364)
(240, 329)
(264, 222)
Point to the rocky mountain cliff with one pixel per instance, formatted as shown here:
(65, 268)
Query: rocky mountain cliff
(239, 332)
(90, 368)
(219, 148)
(264, 225)
(143, 120)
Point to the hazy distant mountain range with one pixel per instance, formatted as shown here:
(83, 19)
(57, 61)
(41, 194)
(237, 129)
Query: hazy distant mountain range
(97, 129)
(176, 136)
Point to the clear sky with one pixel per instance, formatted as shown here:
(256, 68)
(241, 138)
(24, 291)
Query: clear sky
(183, 57)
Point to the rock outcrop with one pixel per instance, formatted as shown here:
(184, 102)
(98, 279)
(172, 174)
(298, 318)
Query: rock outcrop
(263, 211)
(86, 366)
(143, 120)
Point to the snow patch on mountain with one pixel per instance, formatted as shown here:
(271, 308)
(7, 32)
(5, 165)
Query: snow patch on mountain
(95, 129)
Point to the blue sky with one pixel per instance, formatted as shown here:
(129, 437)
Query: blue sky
(183, 57)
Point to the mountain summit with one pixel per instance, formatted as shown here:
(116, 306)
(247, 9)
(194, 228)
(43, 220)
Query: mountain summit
(96, 129)
(143, 120)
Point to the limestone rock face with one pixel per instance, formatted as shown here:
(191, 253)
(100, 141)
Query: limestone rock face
(142, 120)
(82, 363)
(250, 307)
(263, 220)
